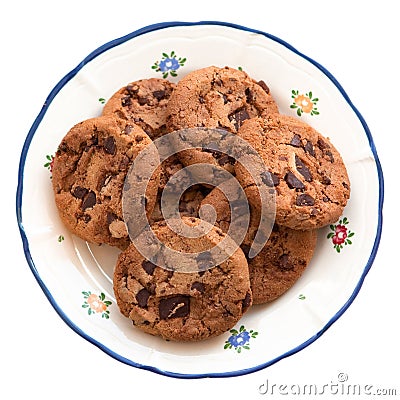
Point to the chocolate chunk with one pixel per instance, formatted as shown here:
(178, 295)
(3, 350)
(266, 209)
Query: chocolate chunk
(143, 100)
(174, 307)
(283, 262)
(79, 192)
(264, 86)
(238, 117)
(296, 141)
(225, 159)
(326, 180)
(293, 182)
(89, 201)
(330, 156)
(270, 179)
(304, 200)
(111, 217)
(109, 145)
(301, 167)
(132, 90)
(309, 148)
(126, 101)
(148, 266)
(246, 302)
(198, 286)
(128, 129)
(204, 260)
(142, 297)
(249, 95)
(159, 94)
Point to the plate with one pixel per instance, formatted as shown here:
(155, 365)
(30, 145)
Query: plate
(77, 277)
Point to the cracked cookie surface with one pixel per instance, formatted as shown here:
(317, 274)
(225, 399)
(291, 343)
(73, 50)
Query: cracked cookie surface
(306, 170)
(214, 97)
(182, 306)
(143, 102)
(88, 175)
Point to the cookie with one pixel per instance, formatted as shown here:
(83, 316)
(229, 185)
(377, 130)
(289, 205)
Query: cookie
(216, 97)
(143, 102)
(282, 259)
(182, 306)
(88, 175)
(311, 183)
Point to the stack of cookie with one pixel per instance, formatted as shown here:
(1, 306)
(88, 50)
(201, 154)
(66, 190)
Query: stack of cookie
(306, 172)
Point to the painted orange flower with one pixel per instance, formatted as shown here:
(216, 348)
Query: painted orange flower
(304, 103)
(96, 304)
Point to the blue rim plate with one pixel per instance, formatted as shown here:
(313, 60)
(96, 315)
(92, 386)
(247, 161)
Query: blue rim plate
(76, 276)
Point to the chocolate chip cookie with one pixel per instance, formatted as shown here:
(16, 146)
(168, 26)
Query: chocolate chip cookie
(306, 170)
(88, 175)
(216, 97)
(182, 306)
(283, 257)
(143, 102)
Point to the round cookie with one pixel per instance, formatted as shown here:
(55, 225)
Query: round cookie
(88, 175)
(216, 97)
(310, 179)
(282, 260)
(182, 306)
(143, 102)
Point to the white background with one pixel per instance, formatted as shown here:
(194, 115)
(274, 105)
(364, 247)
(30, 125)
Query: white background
(41, 41)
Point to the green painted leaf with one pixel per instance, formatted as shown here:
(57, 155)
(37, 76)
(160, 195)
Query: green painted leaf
(299, 112)
(350, 234)
(227, 345)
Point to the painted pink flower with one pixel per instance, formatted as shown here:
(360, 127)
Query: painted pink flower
(340, 234)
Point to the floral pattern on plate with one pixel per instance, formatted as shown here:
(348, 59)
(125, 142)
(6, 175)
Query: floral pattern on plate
(240, 339)
(304, 103)
(340, 234)
(96, 304)
(169, 64)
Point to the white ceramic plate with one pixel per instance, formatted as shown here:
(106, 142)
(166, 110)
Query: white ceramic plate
(77, 277)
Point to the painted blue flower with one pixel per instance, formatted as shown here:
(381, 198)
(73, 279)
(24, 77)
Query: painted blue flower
(169, 64)
(240, 339)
